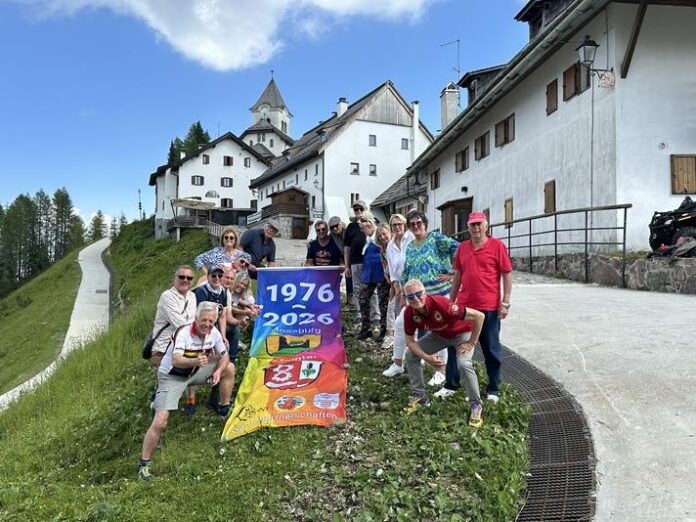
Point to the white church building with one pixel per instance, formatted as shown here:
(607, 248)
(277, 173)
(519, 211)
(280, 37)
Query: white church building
(549, 131)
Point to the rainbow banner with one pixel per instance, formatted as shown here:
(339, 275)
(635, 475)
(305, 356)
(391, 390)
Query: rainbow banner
(297, 366)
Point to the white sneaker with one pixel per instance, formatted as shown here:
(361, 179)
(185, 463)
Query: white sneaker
(388, 343)
(393, 371)
(443, 393)
(493, 398)
(437, 379)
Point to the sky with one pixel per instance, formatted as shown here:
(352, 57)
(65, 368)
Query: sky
(93, 91)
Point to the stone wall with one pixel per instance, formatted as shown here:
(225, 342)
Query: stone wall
(655, 274)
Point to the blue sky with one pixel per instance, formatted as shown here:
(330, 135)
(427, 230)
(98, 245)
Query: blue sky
(92, 91)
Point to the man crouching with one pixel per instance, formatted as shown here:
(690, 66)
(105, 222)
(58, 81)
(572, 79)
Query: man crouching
(188, 361)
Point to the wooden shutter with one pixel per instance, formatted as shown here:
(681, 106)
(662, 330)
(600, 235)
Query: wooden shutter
(435, 179)
(458, 167)
(477, 148)
(465, 154)
(510, 124)
(508, 213)
(500, 133)
(550, 196)
(552, 97)
(571, 81)
(683, 174)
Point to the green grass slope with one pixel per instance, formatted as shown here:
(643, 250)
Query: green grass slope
(34, 320)
(69, 450)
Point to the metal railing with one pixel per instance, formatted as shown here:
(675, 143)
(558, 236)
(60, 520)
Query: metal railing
(585, 232)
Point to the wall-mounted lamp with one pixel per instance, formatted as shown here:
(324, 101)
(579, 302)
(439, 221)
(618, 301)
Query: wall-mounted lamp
(316, 184)
(587, 51)
(465, 189)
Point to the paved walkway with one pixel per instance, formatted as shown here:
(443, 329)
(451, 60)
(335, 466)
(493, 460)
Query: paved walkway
(629, 359)
(90, 315)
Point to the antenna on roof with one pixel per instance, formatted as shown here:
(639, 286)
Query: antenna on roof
(272, 71)
(457, 69)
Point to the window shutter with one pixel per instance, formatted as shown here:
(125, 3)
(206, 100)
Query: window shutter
(552, 97)
(499, 133)
(477, 148)
(508, 213)
(569, 83)
(683, 174)
(550, 196)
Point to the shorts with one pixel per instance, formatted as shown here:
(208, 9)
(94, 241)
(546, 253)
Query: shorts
(170, 387)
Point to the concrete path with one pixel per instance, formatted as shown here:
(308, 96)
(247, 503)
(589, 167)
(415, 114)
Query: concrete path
(629, 359)
(90, 315)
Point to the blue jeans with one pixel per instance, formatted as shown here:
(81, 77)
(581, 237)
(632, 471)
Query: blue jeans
(233, 338)
(490, 345)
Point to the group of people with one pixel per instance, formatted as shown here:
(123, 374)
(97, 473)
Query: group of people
(432, 297)
(422, 294)
(196, 330)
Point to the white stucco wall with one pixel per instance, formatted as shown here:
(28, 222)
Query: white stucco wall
(656, 110)
(352, 146)
(269, 139)
(215, 170)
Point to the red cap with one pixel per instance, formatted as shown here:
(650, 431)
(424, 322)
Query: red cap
(476, 217)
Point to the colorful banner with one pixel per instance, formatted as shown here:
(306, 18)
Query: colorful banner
(296, 372)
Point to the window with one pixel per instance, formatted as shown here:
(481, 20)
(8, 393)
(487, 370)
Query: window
(227, 161)
(254, 204)
(354, 196)
(297, 178)
(550, 196)
(487, 211)
(482, 146)
(461, 160)
(576, 79)
(314, 201)
(271, 142)
(508, 213)
(283, 183)
(404, 143)
(316, 169)
(683, 174)
(206, 159)
(266, 192)
(284, 126)
(225, 182)
(261, 137)
(373, 140)
(552, 97)
(247, 162)
(226, 203)
(355, 169)
(505, 131)
(435, 179)
(197, 180)
(373, 169)
(305, 174)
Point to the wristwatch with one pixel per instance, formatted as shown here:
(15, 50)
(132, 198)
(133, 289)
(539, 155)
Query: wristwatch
(506, 305)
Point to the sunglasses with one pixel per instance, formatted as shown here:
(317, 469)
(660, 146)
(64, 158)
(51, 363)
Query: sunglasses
(415, 295)
(216, 276)
(229, 237)
(358, 209)
(242, 262)
(184, 278)
(321, 229)
(415, 224)
(334, 227)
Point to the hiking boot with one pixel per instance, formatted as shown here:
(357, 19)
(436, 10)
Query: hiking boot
(416, 403)
(443, 393)
(493, 397)
(476, 416)
(364, 334)
(189, 409)
(223, 410)
(393, 370)
(144, 473)
(437, 379)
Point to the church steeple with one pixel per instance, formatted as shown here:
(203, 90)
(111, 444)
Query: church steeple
(271, 108)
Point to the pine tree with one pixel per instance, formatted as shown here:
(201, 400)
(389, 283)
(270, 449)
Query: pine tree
(45, 229)
(7, 282)
(63, 212)
(113, 228)
(195, 137)
(77, 232)
(96, 226)
(20, 237)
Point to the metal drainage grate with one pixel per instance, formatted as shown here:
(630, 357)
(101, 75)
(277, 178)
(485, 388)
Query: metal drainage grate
(101, 291)
(562, 481)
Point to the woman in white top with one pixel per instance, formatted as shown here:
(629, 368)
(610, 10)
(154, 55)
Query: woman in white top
(396, 260)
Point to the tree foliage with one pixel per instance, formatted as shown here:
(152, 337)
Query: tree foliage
(97, 227)
(195, 137)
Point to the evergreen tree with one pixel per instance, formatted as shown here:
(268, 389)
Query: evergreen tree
(195, 137)
(20, 237)
(175, 148)
(113, 228)
(77, 232)
(43, 249)
(63, 220)
(7, 281)
(97, 226)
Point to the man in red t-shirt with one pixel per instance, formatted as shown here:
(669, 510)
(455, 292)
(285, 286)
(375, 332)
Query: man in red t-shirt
(479, 266)
(447, 324)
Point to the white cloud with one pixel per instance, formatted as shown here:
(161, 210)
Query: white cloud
(234, 34)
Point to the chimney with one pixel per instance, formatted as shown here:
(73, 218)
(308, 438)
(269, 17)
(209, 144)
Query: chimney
(415, 130)
(342, 106)
(449, 104)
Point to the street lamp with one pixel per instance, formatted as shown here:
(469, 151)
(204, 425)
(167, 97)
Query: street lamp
(587, 51)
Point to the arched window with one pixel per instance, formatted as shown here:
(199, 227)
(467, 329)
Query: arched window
(212, 194)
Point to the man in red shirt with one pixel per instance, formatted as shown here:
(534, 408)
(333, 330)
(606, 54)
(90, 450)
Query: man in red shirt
(479, 266)
(447, 324)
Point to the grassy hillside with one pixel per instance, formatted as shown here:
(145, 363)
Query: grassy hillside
(69, 451)
(34, 320)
